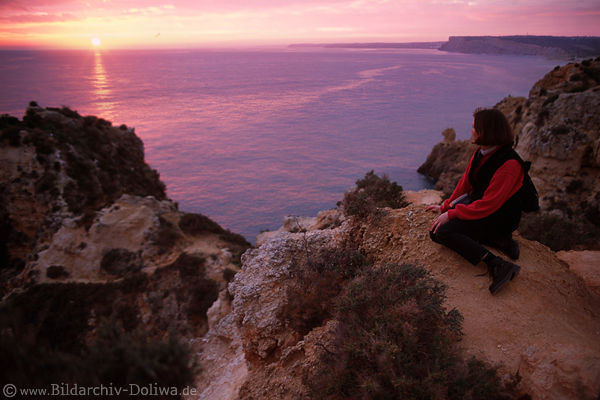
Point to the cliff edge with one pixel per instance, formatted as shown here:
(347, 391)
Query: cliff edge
(544, 325)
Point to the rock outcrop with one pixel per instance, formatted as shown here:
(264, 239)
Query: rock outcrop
(545, 325)
(57, 166)
(89, 240)
(557, 129)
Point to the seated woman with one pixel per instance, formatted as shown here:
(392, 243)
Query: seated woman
(485, 207)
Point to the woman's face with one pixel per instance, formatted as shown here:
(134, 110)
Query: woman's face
(474, 134)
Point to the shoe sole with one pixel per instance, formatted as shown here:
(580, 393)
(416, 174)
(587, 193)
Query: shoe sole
(509, 277)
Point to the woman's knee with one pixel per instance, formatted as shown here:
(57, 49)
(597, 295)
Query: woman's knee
(434, 237)
(444, 231)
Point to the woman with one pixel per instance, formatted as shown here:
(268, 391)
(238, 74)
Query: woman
(485, 207)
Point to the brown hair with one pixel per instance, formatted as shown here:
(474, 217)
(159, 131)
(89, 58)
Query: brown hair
(493, 127)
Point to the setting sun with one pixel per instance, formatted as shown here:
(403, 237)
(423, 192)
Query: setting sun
(96, 42)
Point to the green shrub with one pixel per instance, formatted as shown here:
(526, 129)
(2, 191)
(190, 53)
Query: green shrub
(10, 133)
(592, 72)
(124, 358)
(115, 359)
(199, 292)
(47, 183)
(67, 112)
(372, 192)
(166, 236)
(198, 224)
(550, 229)
(320, 277)
(396, 341)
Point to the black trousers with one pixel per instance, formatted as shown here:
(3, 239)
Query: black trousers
(466, 236)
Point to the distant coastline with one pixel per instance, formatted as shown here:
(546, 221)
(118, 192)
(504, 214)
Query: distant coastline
(372, 45)
(563, 47)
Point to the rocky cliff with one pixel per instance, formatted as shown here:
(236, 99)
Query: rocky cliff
(549, 46)
(545, 326)
(558, 130)
(103, 278)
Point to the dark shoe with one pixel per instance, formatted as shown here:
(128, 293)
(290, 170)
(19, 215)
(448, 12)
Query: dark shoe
(502, 272)
(506, 245)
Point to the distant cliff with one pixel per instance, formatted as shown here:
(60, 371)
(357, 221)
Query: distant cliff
(549, 46)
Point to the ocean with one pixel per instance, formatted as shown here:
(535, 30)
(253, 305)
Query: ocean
(247, 137)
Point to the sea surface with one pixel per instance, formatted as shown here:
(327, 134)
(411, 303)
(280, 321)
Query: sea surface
(247, 137)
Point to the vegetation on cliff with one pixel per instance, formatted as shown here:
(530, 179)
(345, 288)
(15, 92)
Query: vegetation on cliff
(370, 194)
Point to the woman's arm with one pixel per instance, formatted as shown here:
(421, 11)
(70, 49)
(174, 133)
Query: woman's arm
(505, 183)
(462, 187)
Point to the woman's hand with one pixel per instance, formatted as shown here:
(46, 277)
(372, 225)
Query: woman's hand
(439, 221)
(434, 207)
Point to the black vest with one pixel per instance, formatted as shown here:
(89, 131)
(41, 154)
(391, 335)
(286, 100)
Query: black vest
(509, 215)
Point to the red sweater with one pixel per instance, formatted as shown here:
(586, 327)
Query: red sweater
(507, 180)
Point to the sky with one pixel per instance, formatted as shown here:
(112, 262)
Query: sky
(207, 23)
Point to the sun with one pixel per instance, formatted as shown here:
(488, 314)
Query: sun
(96, 42)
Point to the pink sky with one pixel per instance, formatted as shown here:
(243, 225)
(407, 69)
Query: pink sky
(202, 23)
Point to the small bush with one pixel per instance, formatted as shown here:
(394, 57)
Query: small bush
(592, 72)
(189, 266)
(199, 292)
(67, 112)
(12, 135)
(373, 192)
(396, 341)
(198, 224)
(56, 272)
(120, 262)
(123, 358)
(550, 230)
(115, 359)
(320, 279)
(166, 236)
(47, 183)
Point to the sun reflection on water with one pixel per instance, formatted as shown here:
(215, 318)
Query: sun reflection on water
(101, 88)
